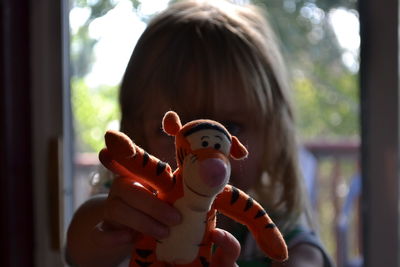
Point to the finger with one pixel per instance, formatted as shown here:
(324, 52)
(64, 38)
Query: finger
(142, 199)
(228, 249)
(105, 235)
(119, 212)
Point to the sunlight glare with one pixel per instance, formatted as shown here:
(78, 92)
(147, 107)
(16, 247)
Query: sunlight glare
(150, 7)
(346, 25)
(117, 33)
(77, 17)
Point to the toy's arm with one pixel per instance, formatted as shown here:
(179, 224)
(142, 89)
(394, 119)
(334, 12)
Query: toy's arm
(125, 158)
(239, 206)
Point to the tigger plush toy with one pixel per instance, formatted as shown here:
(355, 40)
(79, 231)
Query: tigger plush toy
(198, 188)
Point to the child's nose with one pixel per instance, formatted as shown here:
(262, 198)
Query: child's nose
(213, 171)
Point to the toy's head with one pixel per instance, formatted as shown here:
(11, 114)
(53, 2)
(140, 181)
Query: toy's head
(203, 148)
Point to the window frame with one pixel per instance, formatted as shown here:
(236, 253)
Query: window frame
(16, 224)
(34, 46)
(379, 99)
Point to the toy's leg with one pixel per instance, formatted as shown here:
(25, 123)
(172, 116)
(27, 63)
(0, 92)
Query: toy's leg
(143, 255)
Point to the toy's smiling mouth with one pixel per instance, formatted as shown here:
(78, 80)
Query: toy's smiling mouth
(195, 192)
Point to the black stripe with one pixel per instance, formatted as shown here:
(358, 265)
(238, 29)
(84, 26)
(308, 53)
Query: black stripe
(260, 213)
(235, 195)
(160, 167)
(204, 262)
(144, 253)
(143, 264)
(204, 126)
(249, 204)
(270, 225)
(145, 158)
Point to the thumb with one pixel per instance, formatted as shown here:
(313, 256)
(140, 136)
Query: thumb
(228, 249)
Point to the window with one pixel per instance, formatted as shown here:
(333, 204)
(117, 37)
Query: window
(321, 42)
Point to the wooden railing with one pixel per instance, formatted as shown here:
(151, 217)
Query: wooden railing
(337, 169)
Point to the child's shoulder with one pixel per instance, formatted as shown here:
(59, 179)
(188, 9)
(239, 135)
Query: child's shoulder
(305, 240)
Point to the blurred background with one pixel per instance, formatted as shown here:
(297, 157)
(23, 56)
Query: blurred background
(320, 42)
(61, 60)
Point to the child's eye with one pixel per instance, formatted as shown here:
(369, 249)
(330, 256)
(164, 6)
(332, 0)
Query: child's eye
(204, 144)
(217, 146)
(233, 127)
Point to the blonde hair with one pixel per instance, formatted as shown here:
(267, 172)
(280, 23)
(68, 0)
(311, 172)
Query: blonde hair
(207, 46)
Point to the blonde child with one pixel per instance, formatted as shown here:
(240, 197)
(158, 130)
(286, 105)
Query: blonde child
(205, 59)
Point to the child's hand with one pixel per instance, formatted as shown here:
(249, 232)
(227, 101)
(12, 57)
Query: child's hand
(132, 210)
(228, 249)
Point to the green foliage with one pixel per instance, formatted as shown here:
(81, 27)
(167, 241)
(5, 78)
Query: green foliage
(98, 8)
(81, 52)
(93, 109)
(81, 44)
(325, 90)
(327, 114)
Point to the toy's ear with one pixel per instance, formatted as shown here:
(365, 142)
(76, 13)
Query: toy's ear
(238, 151)
(171, 123)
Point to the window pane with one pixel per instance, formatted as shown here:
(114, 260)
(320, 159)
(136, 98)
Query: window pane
(103, 35)
(320, 42)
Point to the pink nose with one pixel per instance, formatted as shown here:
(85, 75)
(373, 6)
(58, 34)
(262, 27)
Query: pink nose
(213, 172)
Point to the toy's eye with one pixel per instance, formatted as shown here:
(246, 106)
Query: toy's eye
(217, 146)
(204, 144)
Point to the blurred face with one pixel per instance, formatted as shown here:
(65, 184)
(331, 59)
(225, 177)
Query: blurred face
(233, 114)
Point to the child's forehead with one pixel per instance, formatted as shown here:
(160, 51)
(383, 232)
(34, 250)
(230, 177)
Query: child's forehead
(235, 120)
